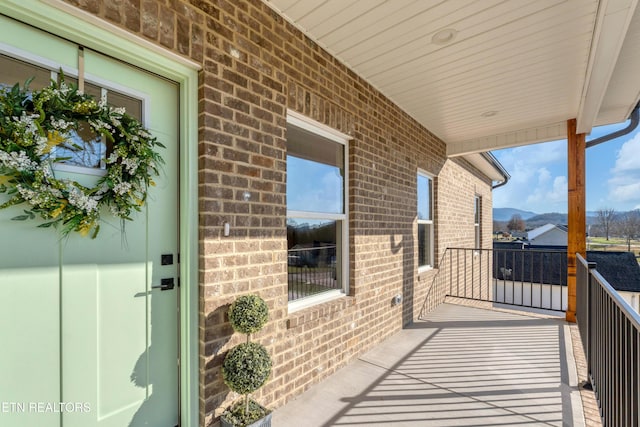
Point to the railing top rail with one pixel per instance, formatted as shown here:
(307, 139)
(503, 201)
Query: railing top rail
(629, 312)
(313, 248)
(582, 260)
(560, 251)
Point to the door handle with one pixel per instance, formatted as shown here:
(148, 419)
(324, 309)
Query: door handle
(165, 284)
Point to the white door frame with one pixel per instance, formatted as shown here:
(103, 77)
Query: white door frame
(88, 30)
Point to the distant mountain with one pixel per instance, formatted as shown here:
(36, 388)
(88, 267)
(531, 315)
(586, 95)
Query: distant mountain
(535, 220)
(505, 214)
(547, 218)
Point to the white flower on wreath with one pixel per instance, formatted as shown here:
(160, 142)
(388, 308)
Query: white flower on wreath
(61, 124)
(131, 165)
(17, 160)
(80, 200)
(122, 188)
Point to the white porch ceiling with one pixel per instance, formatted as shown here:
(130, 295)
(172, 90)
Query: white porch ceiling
(514, 72)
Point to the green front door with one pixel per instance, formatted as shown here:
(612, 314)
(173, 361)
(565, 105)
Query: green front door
(87, 336)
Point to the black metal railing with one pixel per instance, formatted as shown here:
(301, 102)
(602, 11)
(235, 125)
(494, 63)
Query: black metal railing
(523, 277)
(311, 271)
(610, 333)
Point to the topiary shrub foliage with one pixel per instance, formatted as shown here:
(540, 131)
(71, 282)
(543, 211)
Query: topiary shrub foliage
(247, 366)
(248, 314)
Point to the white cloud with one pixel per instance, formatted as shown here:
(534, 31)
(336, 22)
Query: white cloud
(628, 158)
(626, 192)
(548, 192)
(534, 155)
(544, 176)
(538, 178)
(624, 184)
(560, 189)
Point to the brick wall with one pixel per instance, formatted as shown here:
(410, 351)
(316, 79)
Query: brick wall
(255, 65)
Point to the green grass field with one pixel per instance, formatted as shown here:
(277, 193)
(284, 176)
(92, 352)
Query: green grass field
(613, 244)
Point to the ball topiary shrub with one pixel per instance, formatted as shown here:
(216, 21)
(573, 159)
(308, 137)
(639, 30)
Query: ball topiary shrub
(246, 367)
(248, 314)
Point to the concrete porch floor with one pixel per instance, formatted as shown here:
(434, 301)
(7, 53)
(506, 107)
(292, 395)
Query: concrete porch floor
(461, 366)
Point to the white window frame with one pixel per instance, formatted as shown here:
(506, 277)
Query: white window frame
(430, 222)
(477, 221)
(298, 120)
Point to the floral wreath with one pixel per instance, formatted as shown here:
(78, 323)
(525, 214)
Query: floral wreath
(35, 126)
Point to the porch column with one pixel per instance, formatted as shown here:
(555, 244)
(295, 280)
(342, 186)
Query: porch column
(576, 239)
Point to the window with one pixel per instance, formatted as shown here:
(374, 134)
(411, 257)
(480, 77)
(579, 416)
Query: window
(425, 220)
(82, 151)
(477, 220)
(316, 212)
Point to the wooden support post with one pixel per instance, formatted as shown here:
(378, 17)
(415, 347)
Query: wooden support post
(577, 238)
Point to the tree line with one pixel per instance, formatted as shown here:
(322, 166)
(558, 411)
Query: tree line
(608, 223)
(617, 224)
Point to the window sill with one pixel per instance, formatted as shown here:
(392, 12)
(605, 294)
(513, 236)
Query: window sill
(317, 309)
(424, 269)
(303, 303)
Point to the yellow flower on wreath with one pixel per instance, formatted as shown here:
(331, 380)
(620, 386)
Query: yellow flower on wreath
(56, 213)
(85, 227)
(54, 138)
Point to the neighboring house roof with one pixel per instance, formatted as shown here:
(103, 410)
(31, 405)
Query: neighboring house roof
(537, 232)
(515, 244)
(620, 269)
(519, 234)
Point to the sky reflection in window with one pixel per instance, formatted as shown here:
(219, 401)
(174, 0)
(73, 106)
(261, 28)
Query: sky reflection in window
(313, 186)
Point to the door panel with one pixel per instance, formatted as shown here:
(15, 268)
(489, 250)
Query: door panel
(90, 328)
(29, 371)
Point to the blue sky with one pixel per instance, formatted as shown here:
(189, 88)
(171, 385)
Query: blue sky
(539, 175)
(313, 187)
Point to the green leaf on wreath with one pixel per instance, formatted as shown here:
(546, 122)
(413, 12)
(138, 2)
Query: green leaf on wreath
(95, 232)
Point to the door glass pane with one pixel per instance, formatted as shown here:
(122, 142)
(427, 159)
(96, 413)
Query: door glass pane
(132, 106)
(89, 89)
(82, 147)
(14, 71)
